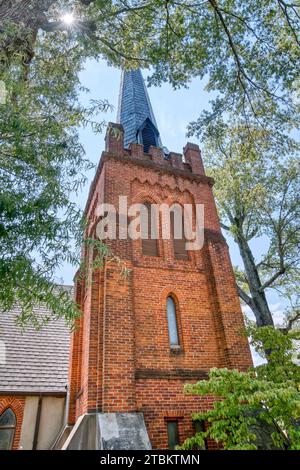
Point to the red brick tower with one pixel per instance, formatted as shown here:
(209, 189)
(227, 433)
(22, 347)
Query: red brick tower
(177, 314)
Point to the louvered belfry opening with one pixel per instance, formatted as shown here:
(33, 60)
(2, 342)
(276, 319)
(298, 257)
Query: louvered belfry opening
(148, 137)
(178, 243)
(149, 245)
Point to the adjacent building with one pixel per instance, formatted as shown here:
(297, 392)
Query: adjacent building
(33, 381)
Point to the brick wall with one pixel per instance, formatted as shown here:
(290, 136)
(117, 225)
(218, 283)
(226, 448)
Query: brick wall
(16, 403)
(121, 359)
(160, 400)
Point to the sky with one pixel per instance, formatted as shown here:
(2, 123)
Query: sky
(173, 110)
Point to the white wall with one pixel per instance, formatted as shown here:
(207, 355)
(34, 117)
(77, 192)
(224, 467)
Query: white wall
(28, 424)
(51, 421)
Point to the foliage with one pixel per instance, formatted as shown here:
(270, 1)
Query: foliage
(257, 191)
(248, 51)
(42, 164)
(265, 396)
(99, 254)
(292, 312)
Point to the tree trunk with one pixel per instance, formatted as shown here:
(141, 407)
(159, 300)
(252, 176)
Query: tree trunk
(258, 302)
(27, 13)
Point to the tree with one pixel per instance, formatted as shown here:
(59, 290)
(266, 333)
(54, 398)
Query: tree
(249, 50)
(42, 165)
(264, 400)
(257, 192)
(243, 48)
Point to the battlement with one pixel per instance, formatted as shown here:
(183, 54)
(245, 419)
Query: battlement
(190, 160)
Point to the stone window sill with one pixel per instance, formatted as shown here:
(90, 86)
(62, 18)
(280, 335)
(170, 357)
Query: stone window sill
(176, 349)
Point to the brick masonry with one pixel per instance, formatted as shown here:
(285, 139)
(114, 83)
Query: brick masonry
(121, 360)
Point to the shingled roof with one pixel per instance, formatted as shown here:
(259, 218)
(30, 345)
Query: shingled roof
(134, 106)
(36, 361)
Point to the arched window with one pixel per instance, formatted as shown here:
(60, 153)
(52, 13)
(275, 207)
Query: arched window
(172, 322)
(7, 429)
(148, 230)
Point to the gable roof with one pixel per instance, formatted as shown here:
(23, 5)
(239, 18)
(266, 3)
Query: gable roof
(35, 361)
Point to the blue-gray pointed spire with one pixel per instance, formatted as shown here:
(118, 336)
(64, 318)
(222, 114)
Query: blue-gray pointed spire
(135, 111)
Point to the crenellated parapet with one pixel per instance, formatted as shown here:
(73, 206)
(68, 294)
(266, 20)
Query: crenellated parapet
(190, 161)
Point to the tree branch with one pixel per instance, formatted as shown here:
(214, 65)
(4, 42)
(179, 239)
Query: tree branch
(225, 227)
(272, 279)
(293, 319)
(240, 68)
(88, 27)
(51, 26)
(244, 296)
(284, 8)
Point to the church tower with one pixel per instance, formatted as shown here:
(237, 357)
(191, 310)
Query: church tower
(174, 316)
